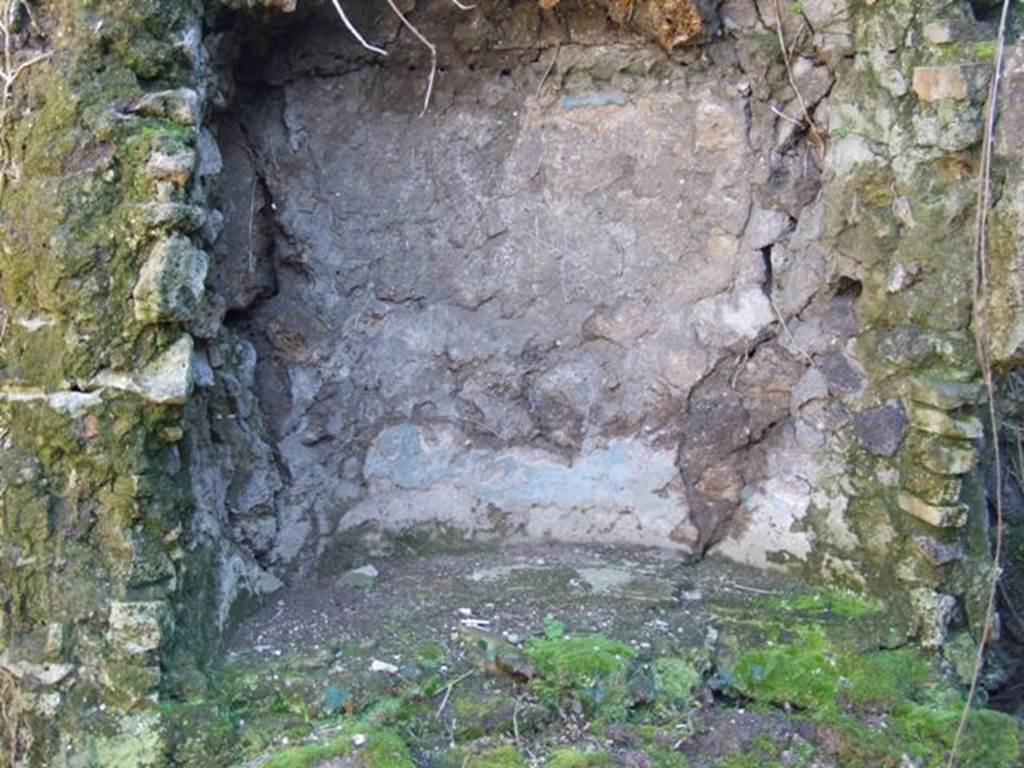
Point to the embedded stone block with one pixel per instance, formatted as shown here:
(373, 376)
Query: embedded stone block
(940, 517)
(1005, 301)
(937, 422)
(168, 380)
(167, 214)
(936, 612)
(175, 167)
(938, 553)
(937, 489)
(944, 457)
(1010, 128)
(182, 105)
(944, 31)
(171, 283)
(136, 627)
(947, 81)
(945, 395)
(881, 430)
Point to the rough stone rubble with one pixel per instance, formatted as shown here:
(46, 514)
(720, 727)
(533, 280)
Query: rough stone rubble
(227, 353)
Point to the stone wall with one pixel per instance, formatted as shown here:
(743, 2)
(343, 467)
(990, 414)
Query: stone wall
(100, 278)
(251, 314)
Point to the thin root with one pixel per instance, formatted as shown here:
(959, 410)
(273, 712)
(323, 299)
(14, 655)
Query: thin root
(430, 46)
(355, 32)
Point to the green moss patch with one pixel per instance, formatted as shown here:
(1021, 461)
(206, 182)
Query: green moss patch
(373, 747)
(800, 673)
(575, 758)
(590, 668)
(878, 705)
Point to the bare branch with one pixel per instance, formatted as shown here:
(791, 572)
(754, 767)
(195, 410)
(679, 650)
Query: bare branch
(782, 321)
(448, 692)
(779, 113)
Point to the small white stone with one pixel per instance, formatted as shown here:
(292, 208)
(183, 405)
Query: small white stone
(382, 666)
(359, 739)
(168, 379)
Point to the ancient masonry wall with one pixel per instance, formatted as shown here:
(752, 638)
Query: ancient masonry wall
(120, 561)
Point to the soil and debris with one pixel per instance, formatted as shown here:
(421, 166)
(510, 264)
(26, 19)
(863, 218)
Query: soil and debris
(567, 656)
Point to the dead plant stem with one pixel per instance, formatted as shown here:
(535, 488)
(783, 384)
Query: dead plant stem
(981, 339)
(787, 58)
(448, 692)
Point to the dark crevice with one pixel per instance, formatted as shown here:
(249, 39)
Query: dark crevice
(766, 258)
(848, 287)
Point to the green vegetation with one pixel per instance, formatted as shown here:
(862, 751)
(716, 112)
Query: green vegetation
(840, 688)
(592, 669)
(831, 602)
(575, 758)
(498, 757)
(874, 706)
(674, 681)
(378, 749)
(985, 49)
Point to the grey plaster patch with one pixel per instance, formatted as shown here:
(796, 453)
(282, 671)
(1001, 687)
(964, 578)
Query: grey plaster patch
(72, 403)
(775, 510)
(614, 492)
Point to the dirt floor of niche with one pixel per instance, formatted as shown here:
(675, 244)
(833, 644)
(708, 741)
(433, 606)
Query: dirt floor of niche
(570, 656)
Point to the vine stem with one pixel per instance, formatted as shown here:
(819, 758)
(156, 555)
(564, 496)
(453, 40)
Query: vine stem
(981, 340)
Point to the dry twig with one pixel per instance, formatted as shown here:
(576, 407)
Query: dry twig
(981, 340)
(547, 72)
(754, 590)
(789, 335)
(515, 723)
(448, 692)
(787, 58)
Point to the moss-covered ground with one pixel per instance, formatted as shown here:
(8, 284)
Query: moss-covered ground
(783, 677)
